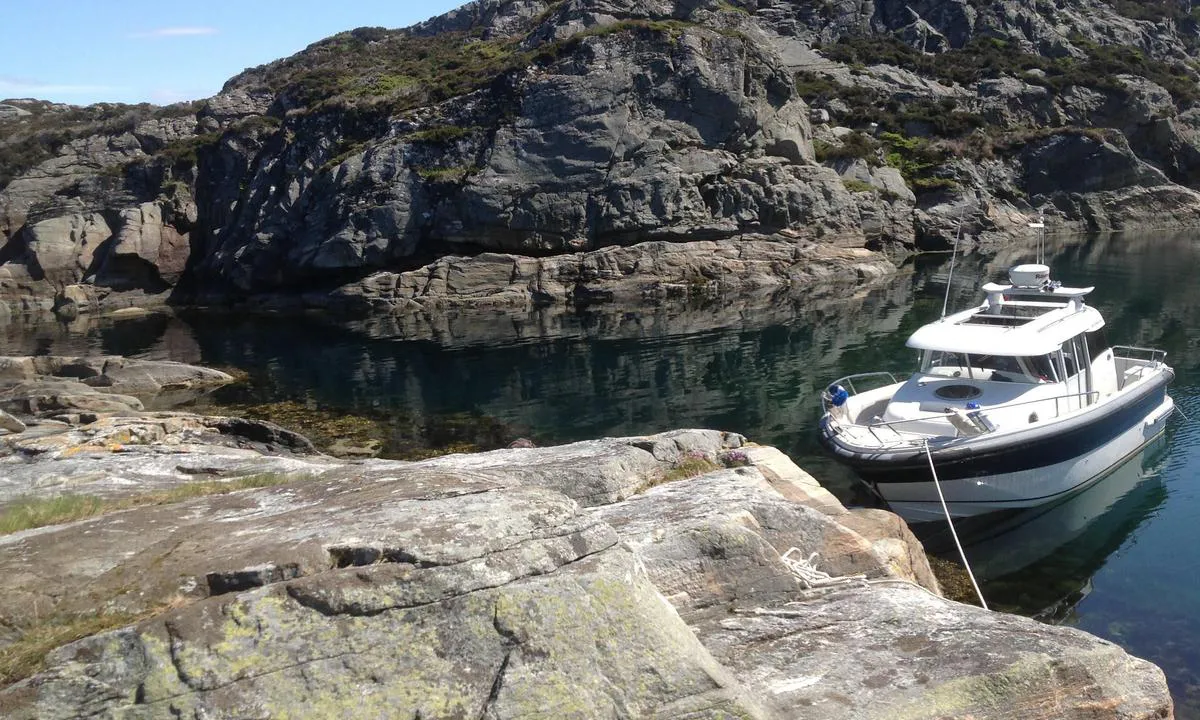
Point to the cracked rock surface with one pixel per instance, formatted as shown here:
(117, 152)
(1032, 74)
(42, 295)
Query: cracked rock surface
(587, 580)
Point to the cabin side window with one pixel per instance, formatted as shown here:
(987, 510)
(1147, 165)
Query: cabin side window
(1097, 343)
(1074, 352)
(1042, 368)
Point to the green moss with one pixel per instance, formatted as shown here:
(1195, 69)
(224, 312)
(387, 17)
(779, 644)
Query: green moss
(1001, 143)
(689, 467)
(1019, 689)
(439, 134)
(380, 85)
(259, 123)
(448, 174)
(394, 68)
(983, 58)
(345, 151)
(857, 186)
(917, 159)
(855, 146)
(27, 141)
(939, 118)
(186, 151)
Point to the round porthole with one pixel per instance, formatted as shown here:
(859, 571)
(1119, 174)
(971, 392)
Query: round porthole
(958, 392)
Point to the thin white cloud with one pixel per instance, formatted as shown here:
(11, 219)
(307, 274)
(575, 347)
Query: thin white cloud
(16, 87)
(175, 32)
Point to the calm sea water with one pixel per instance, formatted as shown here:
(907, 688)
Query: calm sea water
(1118, 561)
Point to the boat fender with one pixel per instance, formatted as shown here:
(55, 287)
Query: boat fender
(837, 397)
(962, 422)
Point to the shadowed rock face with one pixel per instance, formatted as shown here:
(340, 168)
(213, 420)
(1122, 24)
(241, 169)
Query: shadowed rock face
(540, 129)
(574, 581)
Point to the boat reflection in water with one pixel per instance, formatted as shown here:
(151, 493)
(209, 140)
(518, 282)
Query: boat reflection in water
(1040, 562)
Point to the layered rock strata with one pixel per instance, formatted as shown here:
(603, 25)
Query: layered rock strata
(380, 162)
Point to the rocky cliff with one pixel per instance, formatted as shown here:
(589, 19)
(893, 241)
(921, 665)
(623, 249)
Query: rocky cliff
(390, 164)
(224, 570)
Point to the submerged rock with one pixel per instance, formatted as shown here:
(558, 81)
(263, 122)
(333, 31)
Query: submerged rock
(38, 385)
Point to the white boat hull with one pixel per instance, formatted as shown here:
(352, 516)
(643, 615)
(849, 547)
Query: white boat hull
(917, 501)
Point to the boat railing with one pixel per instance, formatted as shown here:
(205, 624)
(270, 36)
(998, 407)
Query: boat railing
(848, 383)
(882, 376)
(1092, 396)
(1147, 356)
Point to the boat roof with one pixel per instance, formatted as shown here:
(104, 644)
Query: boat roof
(1014, 321)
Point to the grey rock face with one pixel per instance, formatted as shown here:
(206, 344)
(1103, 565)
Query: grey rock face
(624, 122)
(658, 271)
(810, 671)
(149, 251)
(476, 585)
(1116, 168)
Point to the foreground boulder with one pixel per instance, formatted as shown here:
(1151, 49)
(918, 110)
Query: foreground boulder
(625, 577)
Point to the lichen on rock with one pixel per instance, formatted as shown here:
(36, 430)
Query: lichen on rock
(563, 581)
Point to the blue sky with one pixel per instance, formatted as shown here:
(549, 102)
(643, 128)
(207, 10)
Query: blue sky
(86, 51)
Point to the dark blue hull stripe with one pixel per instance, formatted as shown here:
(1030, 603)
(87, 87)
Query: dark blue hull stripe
(1029, 454)
(1065, 494)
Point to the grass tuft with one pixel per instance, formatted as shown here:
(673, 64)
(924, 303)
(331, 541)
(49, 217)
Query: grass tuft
(693, 465)
(27, 655)
(26, 513)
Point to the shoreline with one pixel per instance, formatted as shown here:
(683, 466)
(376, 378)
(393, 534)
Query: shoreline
(666, 549)
(753, 270)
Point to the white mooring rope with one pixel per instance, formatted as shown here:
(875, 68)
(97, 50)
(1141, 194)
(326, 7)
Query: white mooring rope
(961, 553)
(806, 572)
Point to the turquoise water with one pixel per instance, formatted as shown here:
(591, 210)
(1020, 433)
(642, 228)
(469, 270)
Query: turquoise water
(1118, 561)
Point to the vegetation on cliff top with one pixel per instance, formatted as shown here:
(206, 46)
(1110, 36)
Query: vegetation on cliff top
(401, 70)
(31, 139)
(985, 58)
(375, 64)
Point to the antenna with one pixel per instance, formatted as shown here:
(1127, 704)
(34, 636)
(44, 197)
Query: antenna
(953, 256)
(1040, 226)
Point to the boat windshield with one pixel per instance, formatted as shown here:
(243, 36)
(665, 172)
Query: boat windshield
(997, 368)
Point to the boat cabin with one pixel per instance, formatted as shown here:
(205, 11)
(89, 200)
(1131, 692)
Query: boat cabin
(1032, 351)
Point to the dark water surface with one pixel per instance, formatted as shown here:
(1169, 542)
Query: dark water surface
(1120, 561)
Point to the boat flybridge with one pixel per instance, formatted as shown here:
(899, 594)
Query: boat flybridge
(1018, 401)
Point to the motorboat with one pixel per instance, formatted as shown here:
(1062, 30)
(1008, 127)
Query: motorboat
(1017, 402)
